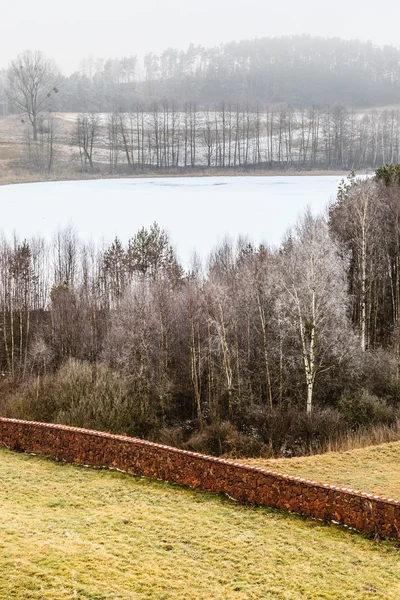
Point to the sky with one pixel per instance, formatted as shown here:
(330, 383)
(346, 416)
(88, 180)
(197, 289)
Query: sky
(77, 29)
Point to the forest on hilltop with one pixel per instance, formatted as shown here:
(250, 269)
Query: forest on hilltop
(297, 70)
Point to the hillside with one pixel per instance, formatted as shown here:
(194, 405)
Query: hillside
(292, 69)
(71, 532)
(225, 139)
(373, 469)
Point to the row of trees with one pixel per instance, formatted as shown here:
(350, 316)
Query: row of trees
(131, 342)
(225, 137)
(239, 136)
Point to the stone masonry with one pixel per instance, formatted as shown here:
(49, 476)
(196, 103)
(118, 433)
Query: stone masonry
(247, 484)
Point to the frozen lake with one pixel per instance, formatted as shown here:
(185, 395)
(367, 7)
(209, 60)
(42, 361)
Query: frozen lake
(196, 211)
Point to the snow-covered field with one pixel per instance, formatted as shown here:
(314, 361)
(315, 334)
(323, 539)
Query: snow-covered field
(197, 211)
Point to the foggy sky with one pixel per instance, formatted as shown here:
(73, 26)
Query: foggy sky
(77, 29)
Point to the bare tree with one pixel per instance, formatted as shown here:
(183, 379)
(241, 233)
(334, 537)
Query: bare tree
(113, 135)
(39, 154)
(32, 82)
(86, 134)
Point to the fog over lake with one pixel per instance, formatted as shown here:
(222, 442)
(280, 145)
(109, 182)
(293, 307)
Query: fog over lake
(197, 212)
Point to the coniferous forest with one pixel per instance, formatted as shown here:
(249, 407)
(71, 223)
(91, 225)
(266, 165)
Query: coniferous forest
(296, 70)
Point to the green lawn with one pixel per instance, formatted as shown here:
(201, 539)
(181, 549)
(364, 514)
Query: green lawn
(374, 469)
(71, 532)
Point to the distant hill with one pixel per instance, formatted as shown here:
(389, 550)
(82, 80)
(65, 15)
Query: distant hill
(299, 70)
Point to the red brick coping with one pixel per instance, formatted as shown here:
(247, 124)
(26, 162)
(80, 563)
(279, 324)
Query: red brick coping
(247, 484)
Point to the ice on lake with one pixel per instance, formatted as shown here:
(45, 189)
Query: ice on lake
(197, 212)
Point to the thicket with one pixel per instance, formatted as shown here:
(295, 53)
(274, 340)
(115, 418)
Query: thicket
(261, 351)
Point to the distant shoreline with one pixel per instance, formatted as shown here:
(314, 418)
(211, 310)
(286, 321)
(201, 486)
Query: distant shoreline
(12, 179)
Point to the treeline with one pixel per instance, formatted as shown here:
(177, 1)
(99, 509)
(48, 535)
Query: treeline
(297, 70)
(225, 137)
(300, 70)
(238, 136)
(259, 351)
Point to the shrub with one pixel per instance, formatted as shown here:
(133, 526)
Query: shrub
(214, 439)
(364, 408)
(292, 431)
(78, 394)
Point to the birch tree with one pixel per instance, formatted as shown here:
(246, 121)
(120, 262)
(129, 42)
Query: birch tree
(314, 298)
(355, 221)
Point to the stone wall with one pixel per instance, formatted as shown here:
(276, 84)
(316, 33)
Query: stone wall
(365, 512)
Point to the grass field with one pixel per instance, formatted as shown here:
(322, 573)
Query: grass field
(373, 469)
(70, 532)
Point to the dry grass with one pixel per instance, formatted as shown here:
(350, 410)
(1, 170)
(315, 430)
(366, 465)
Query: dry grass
(12, 169)
(372, 469)
(10, 175)
(70, 532)
(364, 437)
